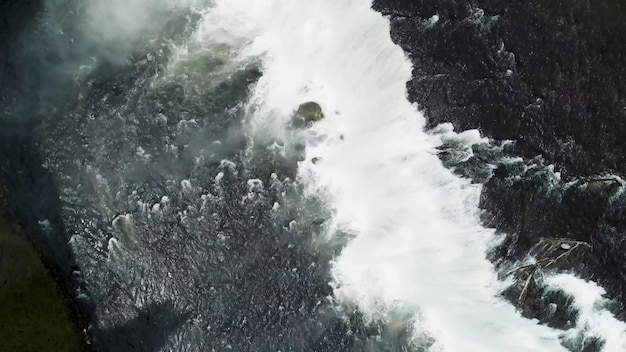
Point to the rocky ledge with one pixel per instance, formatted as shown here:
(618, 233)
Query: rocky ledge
(550, 76)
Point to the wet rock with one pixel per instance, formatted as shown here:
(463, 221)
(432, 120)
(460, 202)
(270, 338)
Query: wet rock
(556, 86)
(307, 114)
(530, 206)
(550, 76)
(554, 309)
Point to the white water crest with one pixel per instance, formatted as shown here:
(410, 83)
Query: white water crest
(418, 244)
(594, 320)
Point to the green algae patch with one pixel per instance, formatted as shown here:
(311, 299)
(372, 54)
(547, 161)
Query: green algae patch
(34, 313)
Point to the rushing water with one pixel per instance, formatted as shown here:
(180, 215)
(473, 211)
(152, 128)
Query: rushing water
(194, 228)
(417, 242)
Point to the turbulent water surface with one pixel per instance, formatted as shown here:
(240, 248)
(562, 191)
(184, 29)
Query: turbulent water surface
(187, 213)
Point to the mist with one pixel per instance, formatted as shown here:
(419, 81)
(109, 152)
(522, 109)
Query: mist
(69, 42)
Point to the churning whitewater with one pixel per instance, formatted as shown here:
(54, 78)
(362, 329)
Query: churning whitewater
(418, 246)
(188, 213)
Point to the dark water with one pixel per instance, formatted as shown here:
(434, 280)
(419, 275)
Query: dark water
(85, 156)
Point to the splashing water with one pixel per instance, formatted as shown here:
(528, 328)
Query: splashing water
(595, 319)
(418, 243)
(418, 249)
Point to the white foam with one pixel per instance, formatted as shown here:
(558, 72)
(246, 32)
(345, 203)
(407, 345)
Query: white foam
(594, 319)
(418, 242)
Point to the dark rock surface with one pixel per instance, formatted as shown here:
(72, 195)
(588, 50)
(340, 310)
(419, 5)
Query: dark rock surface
(549, 75)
